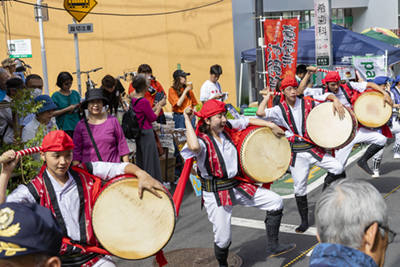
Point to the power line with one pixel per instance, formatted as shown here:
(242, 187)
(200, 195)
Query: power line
(126, 15)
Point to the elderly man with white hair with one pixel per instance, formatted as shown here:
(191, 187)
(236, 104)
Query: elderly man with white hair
(352, 226)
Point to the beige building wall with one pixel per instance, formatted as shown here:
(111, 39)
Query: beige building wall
(196, 39)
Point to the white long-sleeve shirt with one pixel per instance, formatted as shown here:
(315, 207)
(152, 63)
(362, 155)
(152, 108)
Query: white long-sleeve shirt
(227, 149)
(68, 195)
(275, 115)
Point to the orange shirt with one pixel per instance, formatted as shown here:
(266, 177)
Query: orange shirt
(173, 99)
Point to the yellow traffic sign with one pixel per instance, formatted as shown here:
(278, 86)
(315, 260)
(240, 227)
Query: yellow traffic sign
(79, 8)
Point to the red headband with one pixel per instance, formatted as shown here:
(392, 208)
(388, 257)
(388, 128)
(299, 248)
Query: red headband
(288, 81)
(57, 141)
(332, 76)
(211, 108)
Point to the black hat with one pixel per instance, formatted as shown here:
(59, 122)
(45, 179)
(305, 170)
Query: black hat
(179, 73)
(93, 94)
(27, 228)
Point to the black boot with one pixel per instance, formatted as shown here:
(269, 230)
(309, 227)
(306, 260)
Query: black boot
(363, 161)
(272, 223)
(302, 206)
(330, 178)
(222, 255)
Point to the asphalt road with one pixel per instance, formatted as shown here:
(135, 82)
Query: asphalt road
(193, 230)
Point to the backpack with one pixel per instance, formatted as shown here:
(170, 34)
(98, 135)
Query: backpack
(130, 124)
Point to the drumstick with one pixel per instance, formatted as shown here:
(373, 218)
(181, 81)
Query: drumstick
(28, 151)
(322, 70)
(188, 111)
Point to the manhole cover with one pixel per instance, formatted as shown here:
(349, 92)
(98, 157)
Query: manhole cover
(197, 257)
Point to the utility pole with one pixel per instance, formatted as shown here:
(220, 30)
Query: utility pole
(42, 48)
(260, 75)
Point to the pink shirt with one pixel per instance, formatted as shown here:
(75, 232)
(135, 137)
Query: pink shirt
(144, 110)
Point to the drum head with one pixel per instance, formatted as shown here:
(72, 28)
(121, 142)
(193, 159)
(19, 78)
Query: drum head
(326, 129)
(264, 157)
(369, 110)
(130, 227)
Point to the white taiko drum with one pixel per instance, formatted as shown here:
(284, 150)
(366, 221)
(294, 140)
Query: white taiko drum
(129, 227)
(369, 110)
(263, 157)
(327, 130)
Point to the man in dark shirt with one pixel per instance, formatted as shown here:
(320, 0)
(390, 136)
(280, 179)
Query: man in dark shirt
(112, 89)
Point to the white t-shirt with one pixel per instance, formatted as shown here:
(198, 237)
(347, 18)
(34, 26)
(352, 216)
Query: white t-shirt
(209, 90)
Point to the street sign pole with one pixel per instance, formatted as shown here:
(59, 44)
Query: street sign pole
(330, 67)
(42, 48)
(78, 65)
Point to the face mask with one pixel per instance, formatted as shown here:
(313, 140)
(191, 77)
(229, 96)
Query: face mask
(37, 92)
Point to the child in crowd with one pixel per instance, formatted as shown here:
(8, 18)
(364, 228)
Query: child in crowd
(211, 89)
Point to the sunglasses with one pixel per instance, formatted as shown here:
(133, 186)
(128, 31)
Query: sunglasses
(391, 234)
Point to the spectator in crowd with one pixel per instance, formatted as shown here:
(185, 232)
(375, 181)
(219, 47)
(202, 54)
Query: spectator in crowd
(112, 89)
(4, 76)
(38, 240)
(6, 121)
(108, 137)
(9, 65)
(154, 88)
(42, 117)
(352, 226)
(211, 89)
(181, 96)
(68, 103)
(301, 71)
(146, 148)
(34, 82)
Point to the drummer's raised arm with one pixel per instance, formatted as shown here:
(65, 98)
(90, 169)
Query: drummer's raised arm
(192, 141)
(386, 95)
(261, 107)
(304, 82)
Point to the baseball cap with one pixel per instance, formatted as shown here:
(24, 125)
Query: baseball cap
(27, 228)
(179, 73)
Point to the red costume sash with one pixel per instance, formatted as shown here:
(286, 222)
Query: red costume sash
(307, 106)
(88, 186)
(215, 166)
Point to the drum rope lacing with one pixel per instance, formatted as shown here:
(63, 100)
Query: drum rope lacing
(308, 250)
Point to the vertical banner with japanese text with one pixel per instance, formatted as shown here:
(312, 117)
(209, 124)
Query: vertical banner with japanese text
(323, 42)
(281, 38)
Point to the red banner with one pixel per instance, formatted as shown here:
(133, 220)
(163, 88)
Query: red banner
(281, 38)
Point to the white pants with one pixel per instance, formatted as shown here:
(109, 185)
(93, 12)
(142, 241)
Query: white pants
(301, 169)
(106, 261)
(396, 132)
(395, 129)
(220, 217)
(363, 135)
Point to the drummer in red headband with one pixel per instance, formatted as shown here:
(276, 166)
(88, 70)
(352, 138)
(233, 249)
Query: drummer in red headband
(217, 162)
(347, 93)
(292, 115)
(68, 192)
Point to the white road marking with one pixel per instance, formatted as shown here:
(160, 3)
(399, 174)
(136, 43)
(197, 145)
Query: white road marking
(285, 228)
(320, 180)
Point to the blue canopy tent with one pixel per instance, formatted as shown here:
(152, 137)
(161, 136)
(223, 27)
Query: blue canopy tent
(345, 42)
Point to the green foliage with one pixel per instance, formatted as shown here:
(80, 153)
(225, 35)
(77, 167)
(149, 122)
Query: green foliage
(24, 104)
(228, 114)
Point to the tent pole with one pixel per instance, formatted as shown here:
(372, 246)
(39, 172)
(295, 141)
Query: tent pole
(240, 83)
(386, 60)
